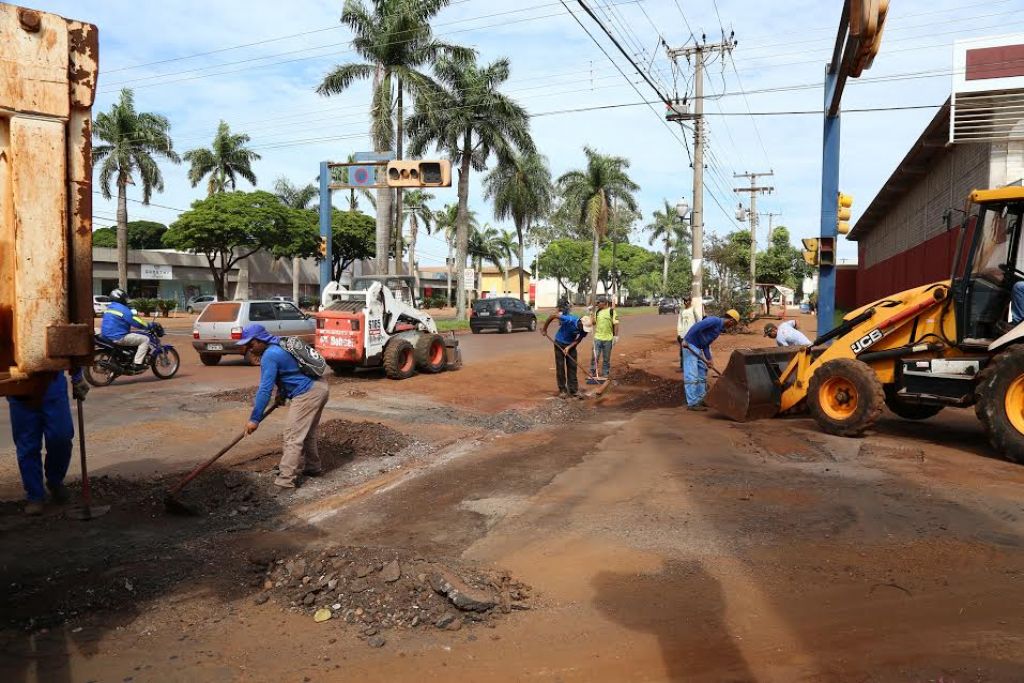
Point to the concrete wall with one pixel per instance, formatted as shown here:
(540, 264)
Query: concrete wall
(918, 217)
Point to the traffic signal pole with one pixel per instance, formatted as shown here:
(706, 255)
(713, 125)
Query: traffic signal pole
(829, 191)
(325, 223)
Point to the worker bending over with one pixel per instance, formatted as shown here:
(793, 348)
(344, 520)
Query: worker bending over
(786, 334)
(300, 454)
(697, 355)
(570, 334)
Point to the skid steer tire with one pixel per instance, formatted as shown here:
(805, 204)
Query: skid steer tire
(1000, 403)
(429, 353)
(399, 359)
(907, 410)
(845, 397)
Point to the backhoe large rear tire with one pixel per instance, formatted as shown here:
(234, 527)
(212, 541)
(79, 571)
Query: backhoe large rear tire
(429, 353)
(906, 409)
(845, 397)
(1000, 403)
(399, 359)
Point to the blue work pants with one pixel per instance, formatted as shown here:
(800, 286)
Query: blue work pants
(31, 423)
(695, 373)
(602, 355)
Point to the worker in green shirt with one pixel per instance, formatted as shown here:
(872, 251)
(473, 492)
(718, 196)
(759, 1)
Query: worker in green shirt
(606, 334)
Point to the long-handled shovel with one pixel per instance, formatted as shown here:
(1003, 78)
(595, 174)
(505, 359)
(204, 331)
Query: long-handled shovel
(175, 506)
(604, 385)
(86, 510)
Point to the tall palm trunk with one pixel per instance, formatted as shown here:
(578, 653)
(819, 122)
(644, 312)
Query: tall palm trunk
(522, 257)
(122, 233)
(664, 268)
(398, 192)
(296, 266)
(462, 226)
(595, 265)
(383, 195)
(448, 263)
(413, 270)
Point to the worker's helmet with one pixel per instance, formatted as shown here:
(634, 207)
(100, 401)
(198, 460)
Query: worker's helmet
(734, 314)
(118, 295)
(770, 329)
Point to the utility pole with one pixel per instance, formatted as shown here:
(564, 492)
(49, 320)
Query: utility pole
(771, 220)
(754, 190)
(699, 52)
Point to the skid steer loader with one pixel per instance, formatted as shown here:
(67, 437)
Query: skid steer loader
(376, 323)
(943, 344)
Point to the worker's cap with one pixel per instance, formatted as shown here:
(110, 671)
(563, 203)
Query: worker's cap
(769, 328)
(587, 323)
(256, 332)
(734, 314)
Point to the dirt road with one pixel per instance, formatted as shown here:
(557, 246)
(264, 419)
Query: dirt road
(650, 543)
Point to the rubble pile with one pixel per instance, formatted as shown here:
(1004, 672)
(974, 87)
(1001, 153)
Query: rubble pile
(376, 590)
(342, 438)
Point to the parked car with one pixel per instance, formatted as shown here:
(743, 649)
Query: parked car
(198, 303)
(219, 326)
(99, 304)
(668, 306)
(283, 298)
(502, 314)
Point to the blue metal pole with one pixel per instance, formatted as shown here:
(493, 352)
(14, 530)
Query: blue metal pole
(829, 194)
(325, 223)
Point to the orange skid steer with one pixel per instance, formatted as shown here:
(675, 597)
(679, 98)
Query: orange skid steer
(948, 343)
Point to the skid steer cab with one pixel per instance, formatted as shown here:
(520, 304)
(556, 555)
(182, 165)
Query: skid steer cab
(377, 324)
(958, 342)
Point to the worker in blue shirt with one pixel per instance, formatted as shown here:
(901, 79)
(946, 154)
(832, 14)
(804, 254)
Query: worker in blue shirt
(308, 399)
(45, 414)
(117, 325)
(570, 334)
(697, 355)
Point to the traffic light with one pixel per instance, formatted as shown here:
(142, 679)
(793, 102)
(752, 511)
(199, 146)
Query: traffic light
(867, 19)
(827, 251)
(419, 173)
(321, 246)
(843, 204)
(810, 250)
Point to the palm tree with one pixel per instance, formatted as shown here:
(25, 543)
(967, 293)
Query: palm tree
(521, 190)
(301, 198)
(226, 159)
(131, 141)
(469, 118)
(667, 227)
(417, 211)
(485, 245)
(506, 244)
(395, 40)
(446, 222)
(590, 193)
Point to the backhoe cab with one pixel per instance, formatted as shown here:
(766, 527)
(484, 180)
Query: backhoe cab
(958, 342)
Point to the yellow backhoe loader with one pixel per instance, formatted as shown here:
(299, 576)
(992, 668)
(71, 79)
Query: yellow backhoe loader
(949, 343)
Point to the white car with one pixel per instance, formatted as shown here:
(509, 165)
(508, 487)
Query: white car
(198, 303)
(99, 304)
(217, 330)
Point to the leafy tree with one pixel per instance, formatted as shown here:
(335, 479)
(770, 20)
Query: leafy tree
(131, 141)
(417, 210)
(227, 227)
(781, 263)
(470, 118)
(486, 245)
(300, 199)
(352, 239)
(631, 261)
(566, 261)
(590, 193)
(521, 189)
(672, 232)
(228, 158)
(141, 235)
(395, 40)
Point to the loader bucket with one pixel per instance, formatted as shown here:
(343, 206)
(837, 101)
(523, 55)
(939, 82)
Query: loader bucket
(749, 388)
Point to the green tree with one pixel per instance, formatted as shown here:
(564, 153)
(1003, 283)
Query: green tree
(417, 211)
(566, 261)
(521, 189)
(506, 245)
(300, 199)
(230, 226)
(224, 161)
(446, 222)
(590, 192)
(353, 237)
(468, 117)
(486, 245)
(781, 263)
(666, 227)
(141, 235)
(395, 40)
(131, 142)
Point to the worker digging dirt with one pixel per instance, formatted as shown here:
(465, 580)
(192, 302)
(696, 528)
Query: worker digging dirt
(786, 334)
(697, 355)
(308, 397)
(570, 334)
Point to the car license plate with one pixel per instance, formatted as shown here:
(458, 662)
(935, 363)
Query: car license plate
(214, 347)
(483, 313)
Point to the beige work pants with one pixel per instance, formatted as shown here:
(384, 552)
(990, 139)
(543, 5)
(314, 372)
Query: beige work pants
(300, 449)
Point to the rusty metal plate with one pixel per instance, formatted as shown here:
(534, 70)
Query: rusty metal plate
(67, 341)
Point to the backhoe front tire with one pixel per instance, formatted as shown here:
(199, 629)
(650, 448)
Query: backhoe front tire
(429, 353)
(1000, 403)
(399, 359)
(845, 397)
(906, 409)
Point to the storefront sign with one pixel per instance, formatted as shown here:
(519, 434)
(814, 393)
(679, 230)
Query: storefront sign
(154, 272)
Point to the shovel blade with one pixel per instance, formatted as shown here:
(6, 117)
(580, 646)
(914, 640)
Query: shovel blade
(749, 388)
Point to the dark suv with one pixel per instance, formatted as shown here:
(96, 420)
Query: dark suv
(503, 314)
(668, 306)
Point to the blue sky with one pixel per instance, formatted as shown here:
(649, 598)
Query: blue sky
(267, 90)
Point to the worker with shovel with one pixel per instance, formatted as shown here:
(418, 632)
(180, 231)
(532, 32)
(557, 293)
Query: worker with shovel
(697, 355)
(606, 336)
(308, 399)
(570, 334)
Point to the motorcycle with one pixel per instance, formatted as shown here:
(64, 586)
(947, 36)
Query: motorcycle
(111, 360)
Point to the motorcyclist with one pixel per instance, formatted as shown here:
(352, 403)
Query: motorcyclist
(118, 322)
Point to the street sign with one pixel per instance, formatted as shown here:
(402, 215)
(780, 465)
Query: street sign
(469, 276)
(362, 176)
(374, 156)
